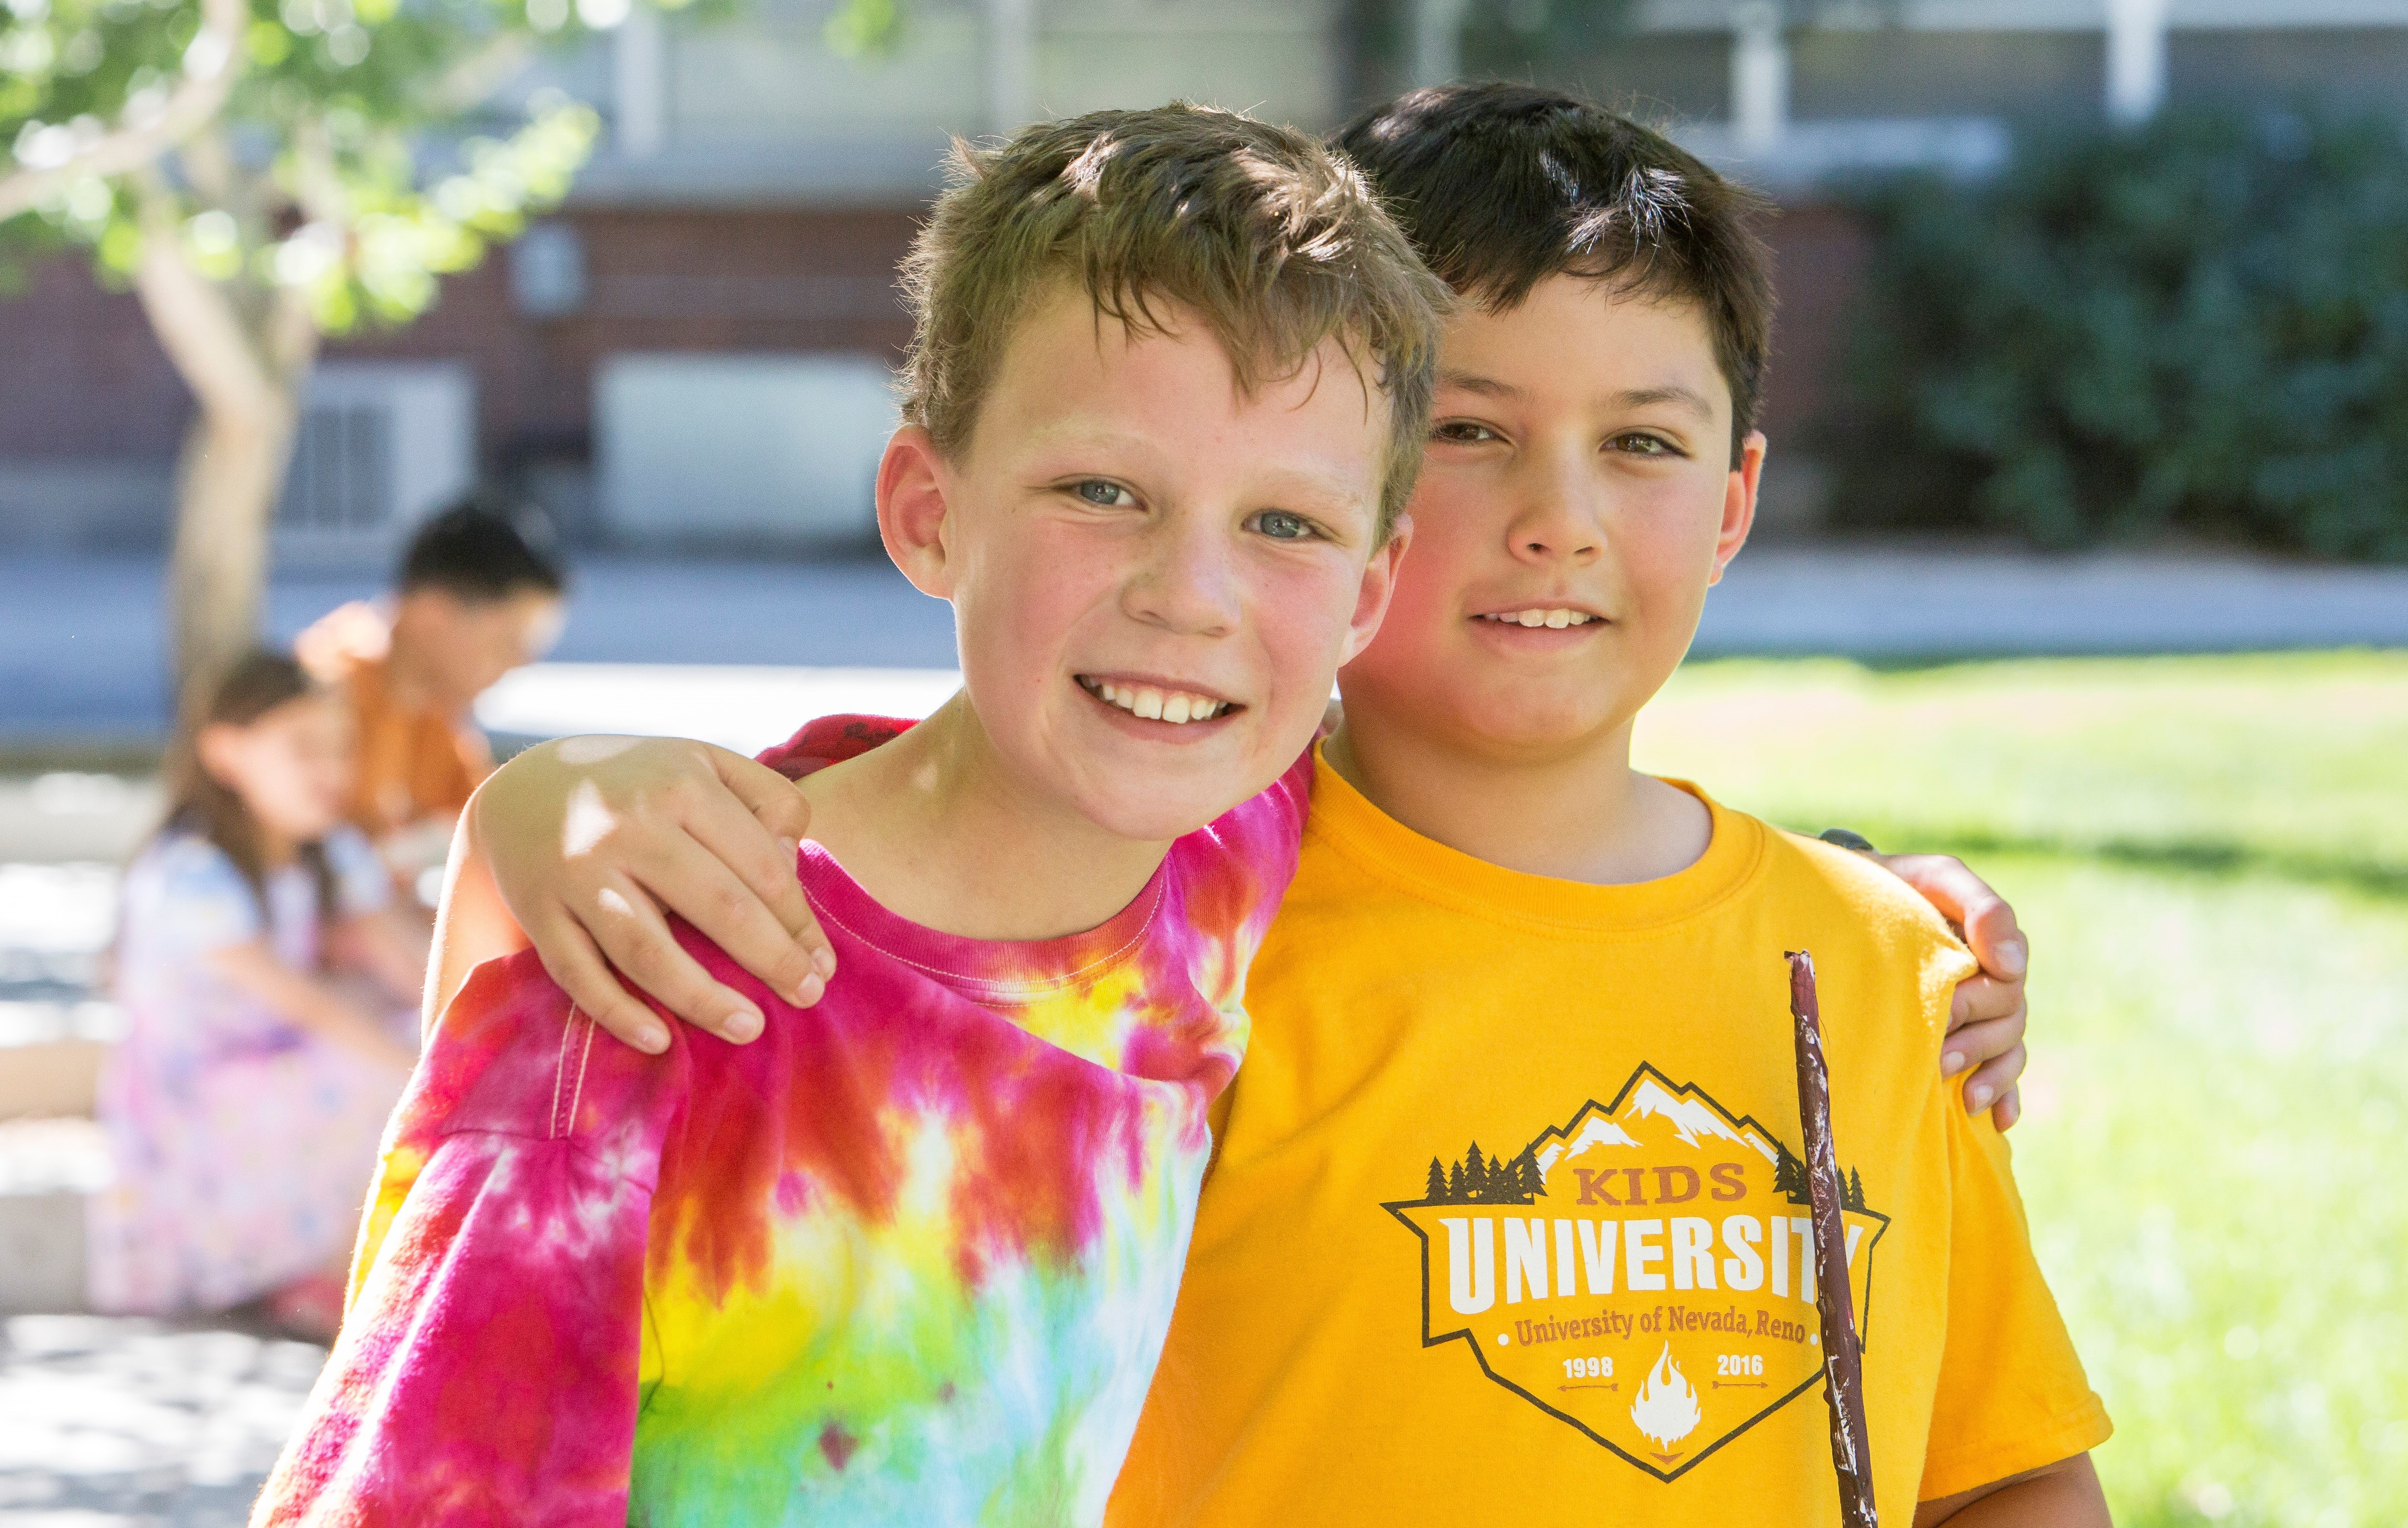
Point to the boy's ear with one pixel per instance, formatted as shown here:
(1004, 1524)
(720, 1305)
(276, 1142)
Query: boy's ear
(1739, 503)
(913, 518)
(1379, 587)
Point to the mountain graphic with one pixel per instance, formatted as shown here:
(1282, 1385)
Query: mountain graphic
(1691, 1118)
(1597, 1130)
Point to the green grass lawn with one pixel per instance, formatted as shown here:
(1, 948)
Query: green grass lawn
(2211, 857)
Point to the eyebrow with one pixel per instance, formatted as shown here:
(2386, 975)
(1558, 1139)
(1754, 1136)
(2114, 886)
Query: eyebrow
(1685, 397)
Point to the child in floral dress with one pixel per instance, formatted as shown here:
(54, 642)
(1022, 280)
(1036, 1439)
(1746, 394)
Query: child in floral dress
(244, 1106)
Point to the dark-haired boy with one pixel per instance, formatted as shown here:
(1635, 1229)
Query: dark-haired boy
(1504, 943)
(1505, 1222)
(476, 595)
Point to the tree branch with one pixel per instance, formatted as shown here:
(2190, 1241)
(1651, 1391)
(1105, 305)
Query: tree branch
(195, 321)
(212, 64)
(467, 82)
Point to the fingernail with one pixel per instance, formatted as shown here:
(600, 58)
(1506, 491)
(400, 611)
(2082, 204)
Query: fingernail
(823, 962)
(651, 1039)
(809, 990)
(1977, 1098)
(2010, 956)
(794, 849)
(1951, 1064)
(742, 1024)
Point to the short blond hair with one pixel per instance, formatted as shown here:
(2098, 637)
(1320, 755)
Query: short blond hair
(1269, 235)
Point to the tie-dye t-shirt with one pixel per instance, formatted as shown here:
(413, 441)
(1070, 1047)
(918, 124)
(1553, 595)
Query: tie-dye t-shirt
(908, 1258)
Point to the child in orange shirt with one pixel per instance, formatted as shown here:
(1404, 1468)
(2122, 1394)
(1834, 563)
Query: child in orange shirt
(477, 597)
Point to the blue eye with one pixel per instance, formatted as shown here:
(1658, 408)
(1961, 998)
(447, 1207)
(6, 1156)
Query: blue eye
(1109, 495)
(1280, 525)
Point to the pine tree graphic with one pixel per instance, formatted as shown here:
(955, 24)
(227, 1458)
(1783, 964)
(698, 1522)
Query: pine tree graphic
(1532, 1182)
(1483, 1179)
(1500, 1184)
(1854, 1197)
(1790, 1176)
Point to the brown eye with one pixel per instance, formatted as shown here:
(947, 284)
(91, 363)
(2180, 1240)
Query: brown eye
(1463, 433)
(1644, 445)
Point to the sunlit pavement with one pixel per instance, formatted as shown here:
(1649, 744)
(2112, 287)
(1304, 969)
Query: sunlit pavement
(103, 1421)
(120, 1422)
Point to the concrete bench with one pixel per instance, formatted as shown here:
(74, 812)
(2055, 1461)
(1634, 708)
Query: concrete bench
(47, 1168)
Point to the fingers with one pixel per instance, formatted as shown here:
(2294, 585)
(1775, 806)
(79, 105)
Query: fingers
(1974, 1044)
(769, 796)
(742, 892)
(1967, 901)
(1992, 1081)
(572, 960)
(1982, 997)
(2008, 1110)
(628, 928)
(693, 877)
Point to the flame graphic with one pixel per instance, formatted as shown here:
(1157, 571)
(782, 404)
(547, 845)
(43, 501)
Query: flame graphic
(1666, 1407)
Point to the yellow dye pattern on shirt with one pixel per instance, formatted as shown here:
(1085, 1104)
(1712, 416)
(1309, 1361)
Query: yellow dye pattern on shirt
(1505, 1222)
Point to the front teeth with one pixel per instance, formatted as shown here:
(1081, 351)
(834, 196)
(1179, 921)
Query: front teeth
(1558, 619)
(1176, 706)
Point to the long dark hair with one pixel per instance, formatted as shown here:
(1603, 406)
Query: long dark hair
(200, 804)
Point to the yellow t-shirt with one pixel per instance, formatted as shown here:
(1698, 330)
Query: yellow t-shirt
(1506, 1224)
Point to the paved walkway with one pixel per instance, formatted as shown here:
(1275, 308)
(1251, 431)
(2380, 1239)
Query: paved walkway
(80, 639)
(157, 1423)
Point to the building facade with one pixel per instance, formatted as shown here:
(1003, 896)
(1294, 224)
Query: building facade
(692, 349)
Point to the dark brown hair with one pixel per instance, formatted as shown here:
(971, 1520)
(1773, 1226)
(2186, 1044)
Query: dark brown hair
(1268, 235)
(200, 804)
(1502, 186)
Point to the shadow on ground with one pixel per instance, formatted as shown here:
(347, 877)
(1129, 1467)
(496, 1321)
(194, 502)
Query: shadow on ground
(166, 1425)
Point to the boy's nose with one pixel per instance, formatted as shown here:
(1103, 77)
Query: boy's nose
(1556, 524)
(1185, 583)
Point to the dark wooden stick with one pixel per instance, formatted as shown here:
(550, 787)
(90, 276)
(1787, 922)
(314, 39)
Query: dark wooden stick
(1843, 1366)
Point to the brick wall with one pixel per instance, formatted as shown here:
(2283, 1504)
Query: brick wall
(85, 387)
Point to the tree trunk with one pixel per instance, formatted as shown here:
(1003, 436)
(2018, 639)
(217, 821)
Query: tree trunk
(227, 483)
(246, 365)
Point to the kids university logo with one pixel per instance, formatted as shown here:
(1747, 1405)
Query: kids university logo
(1644, 1271)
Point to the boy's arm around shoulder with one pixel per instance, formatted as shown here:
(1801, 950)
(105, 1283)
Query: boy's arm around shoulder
(487, 1370)
(2014, 1417)
(2066, 1494)
(2013, 1414)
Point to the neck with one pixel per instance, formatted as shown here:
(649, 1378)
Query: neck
(276, 850)
(409, 680)
(1576, 814)
(939, 830)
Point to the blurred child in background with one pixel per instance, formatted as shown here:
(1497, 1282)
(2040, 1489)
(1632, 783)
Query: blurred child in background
(478, 595)
(244, 1106)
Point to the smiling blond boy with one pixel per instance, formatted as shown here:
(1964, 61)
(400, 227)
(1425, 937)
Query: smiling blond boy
(911, 1259)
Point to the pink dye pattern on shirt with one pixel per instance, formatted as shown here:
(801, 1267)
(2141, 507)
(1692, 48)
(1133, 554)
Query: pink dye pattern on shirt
(908, 1258)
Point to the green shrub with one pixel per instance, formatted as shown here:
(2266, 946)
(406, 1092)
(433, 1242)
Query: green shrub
(2197, 328)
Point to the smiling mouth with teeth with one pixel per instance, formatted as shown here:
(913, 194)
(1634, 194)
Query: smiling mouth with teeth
(1150, 704)
(1556, 618)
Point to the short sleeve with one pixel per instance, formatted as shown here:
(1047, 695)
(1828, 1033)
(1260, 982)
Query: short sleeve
(2012, 1395)
(363, 885)
(187, 898)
